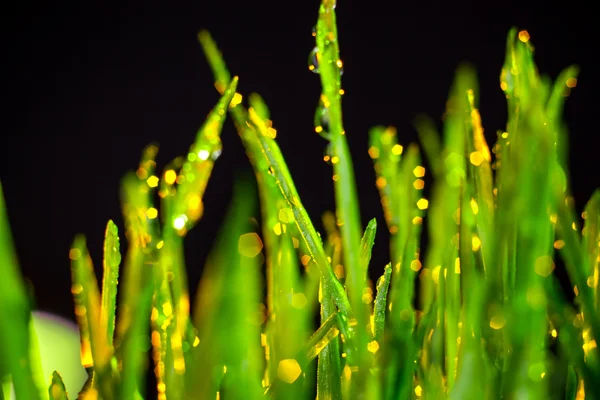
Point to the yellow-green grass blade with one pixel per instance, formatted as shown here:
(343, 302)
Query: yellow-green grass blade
(111, 262)
(329, 370)
(591, 240)
(87, 310)
(15, 354)
(430, 143)
(347, 205)
(286, 185)
(135, 342)
(227, 305)
(531, 173)
(289, 326)
(56, 390)
(379, 310)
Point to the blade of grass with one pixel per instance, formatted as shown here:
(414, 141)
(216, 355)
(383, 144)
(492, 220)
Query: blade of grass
(87, 309)
(327, 332)
(399, 182)
(269, 193)
(430, 142)
(57, 390)
(383, 284)
(591, 238)
(533, 178)
(228, 294)
(366, 247)
(142, 234)
(281, 270)
(329, 370)
(111, 261)
(14, 324)
(313, 242)
(183, 208)
(289, 328)
(135, 342)
(267, 160)
(347, 205)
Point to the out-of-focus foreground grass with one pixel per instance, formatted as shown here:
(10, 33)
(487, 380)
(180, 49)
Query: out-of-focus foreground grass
(491, 319)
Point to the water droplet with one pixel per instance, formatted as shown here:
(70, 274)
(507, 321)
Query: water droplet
(313, 60)
(322, 121)
(314, 31)
(507, 80)
(215, 154)
(340, 66)
(211, 151)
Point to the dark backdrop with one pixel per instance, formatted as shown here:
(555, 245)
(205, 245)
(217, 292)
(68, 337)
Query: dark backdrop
(89, 86)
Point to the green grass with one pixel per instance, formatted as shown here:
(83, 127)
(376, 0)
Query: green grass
(491, 319)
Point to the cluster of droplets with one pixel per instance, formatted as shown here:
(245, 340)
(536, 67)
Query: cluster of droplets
(322, 118)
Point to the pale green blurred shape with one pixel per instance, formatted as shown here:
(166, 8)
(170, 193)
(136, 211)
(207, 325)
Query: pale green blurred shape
(58, 341)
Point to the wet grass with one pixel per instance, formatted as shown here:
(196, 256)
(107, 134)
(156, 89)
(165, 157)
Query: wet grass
(490, 320)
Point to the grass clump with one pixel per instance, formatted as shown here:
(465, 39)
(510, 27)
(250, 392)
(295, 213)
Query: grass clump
(489, 318)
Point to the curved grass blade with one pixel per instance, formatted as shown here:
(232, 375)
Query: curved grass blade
(269, 191)
(576, 260)
(383, 284)
(313, 242)
(111, 261)
(399, 182)
(282, 275)
(366, 247)
(215, 61)
(591, 238)
(533, 178)
(14, 307)
(329, 370)
(347, 205)
(480, 200)
(87, 310)
(272, 201)
(288, 329)
(227, 296)
(194, 174)
(57, 390)
(319, 340)
(570, 338)
(143, 234)
(135, 342)
(431, 144)
(183, 208)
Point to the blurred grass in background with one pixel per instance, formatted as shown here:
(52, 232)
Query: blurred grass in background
(488, 318)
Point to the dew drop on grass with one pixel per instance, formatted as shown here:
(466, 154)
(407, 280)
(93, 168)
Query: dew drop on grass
(313, 60)
(322, 121)
(340, 66)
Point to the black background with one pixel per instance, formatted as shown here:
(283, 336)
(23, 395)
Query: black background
(88, 86)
